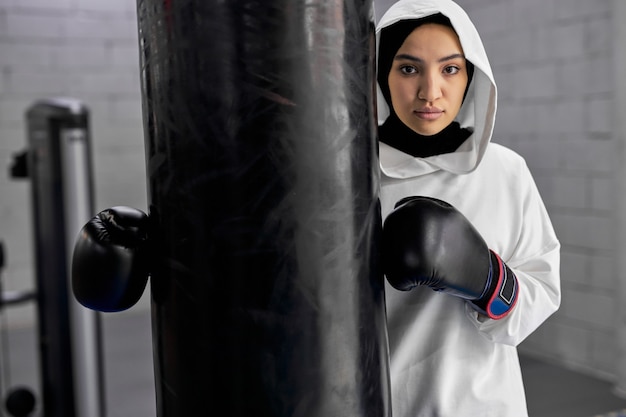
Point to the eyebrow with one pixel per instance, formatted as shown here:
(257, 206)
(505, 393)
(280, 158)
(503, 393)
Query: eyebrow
(419, 60)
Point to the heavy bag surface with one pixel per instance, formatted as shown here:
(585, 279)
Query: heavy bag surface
(267, 298)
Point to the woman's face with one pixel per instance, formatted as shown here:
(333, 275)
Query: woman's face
(428, 78)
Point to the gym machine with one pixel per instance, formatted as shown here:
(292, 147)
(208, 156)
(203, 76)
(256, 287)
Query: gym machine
(58, 163)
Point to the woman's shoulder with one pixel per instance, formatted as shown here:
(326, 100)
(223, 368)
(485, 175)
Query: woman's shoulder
(503, 164)
(502, 155)
(500, 150)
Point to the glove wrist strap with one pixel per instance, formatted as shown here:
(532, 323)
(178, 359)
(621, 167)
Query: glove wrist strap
(503, 291)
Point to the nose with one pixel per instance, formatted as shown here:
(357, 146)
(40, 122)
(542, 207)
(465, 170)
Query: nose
(429, 87)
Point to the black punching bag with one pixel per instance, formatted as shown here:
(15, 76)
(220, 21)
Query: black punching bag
(267, 294)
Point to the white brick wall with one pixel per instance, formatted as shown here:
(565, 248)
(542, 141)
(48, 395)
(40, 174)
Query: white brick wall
(86, 49)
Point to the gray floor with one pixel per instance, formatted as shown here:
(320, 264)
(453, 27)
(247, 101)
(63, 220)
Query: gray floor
(551, 391)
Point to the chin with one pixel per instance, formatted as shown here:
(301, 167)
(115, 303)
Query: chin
(427, 132)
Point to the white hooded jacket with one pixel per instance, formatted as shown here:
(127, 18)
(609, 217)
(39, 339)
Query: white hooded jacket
(446, 361)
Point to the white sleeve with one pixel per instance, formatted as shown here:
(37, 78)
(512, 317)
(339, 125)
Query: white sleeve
(535, 260)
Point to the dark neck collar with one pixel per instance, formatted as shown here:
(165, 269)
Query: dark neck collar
(397, 135)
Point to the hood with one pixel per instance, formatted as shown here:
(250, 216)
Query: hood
(479, 107)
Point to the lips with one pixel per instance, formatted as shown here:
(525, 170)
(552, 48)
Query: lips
(430, 113)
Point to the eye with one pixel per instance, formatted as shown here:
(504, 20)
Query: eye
(451, 69)
(408, 69)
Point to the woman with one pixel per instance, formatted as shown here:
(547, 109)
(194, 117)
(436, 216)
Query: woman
(451, 355)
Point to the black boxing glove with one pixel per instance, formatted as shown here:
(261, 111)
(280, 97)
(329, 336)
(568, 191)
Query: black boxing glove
(426, 241)
(110, 260)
